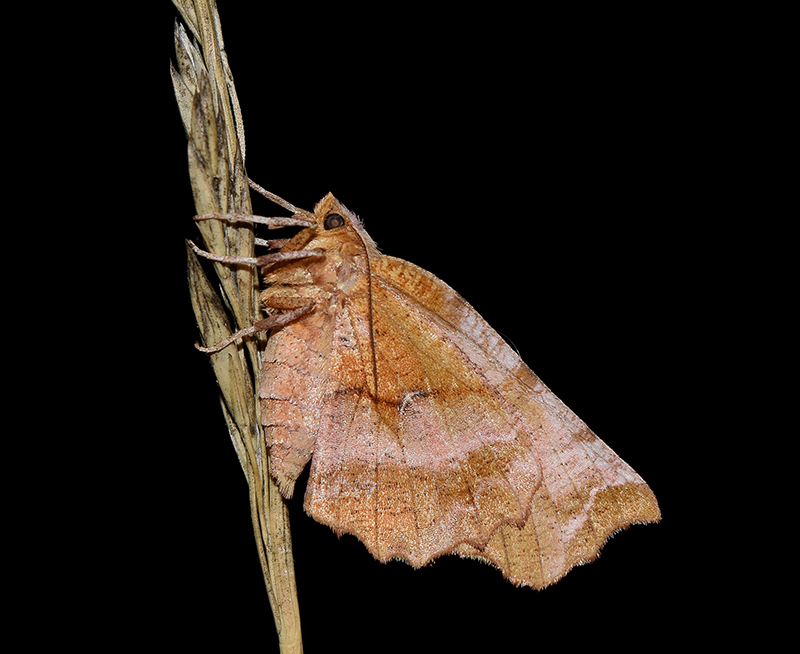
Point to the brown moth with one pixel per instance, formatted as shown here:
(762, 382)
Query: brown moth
(426, 432)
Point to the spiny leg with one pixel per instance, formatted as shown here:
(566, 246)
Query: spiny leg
(301, 217)
(263, 260)
(272, 243)
(272, 222)
(273, 322)
(306, 219)
(277, 199)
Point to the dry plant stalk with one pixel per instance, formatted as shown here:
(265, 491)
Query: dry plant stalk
(207, 100)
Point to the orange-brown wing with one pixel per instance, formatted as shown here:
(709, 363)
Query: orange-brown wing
(434, 457)
(586, 493)
(429, 434)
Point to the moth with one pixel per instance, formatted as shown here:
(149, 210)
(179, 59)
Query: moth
(427, 434)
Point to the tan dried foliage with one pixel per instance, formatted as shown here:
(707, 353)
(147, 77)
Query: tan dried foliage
(209, 109)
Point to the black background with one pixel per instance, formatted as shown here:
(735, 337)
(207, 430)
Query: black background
(538, 167)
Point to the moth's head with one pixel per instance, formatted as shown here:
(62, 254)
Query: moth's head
(335, 225)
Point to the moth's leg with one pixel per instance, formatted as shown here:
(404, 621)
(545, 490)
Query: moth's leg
(301, 217)
(298, 306)
(278, 200)
(272, 222)
(294, 308)
(295, 297)
(278, 320)
(272, 244)
(263, 260)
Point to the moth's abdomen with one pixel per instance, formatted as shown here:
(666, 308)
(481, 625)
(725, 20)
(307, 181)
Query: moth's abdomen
(293, 372)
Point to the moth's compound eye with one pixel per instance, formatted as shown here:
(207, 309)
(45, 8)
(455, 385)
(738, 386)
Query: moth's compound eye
(333, 220)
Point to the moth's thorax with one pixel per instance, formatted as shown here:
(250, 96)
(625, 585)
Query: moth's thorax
(339, 266)
(341, 271)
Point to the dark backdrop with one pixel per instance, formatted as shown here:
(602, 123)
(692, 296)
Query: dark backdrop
(532, 166)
